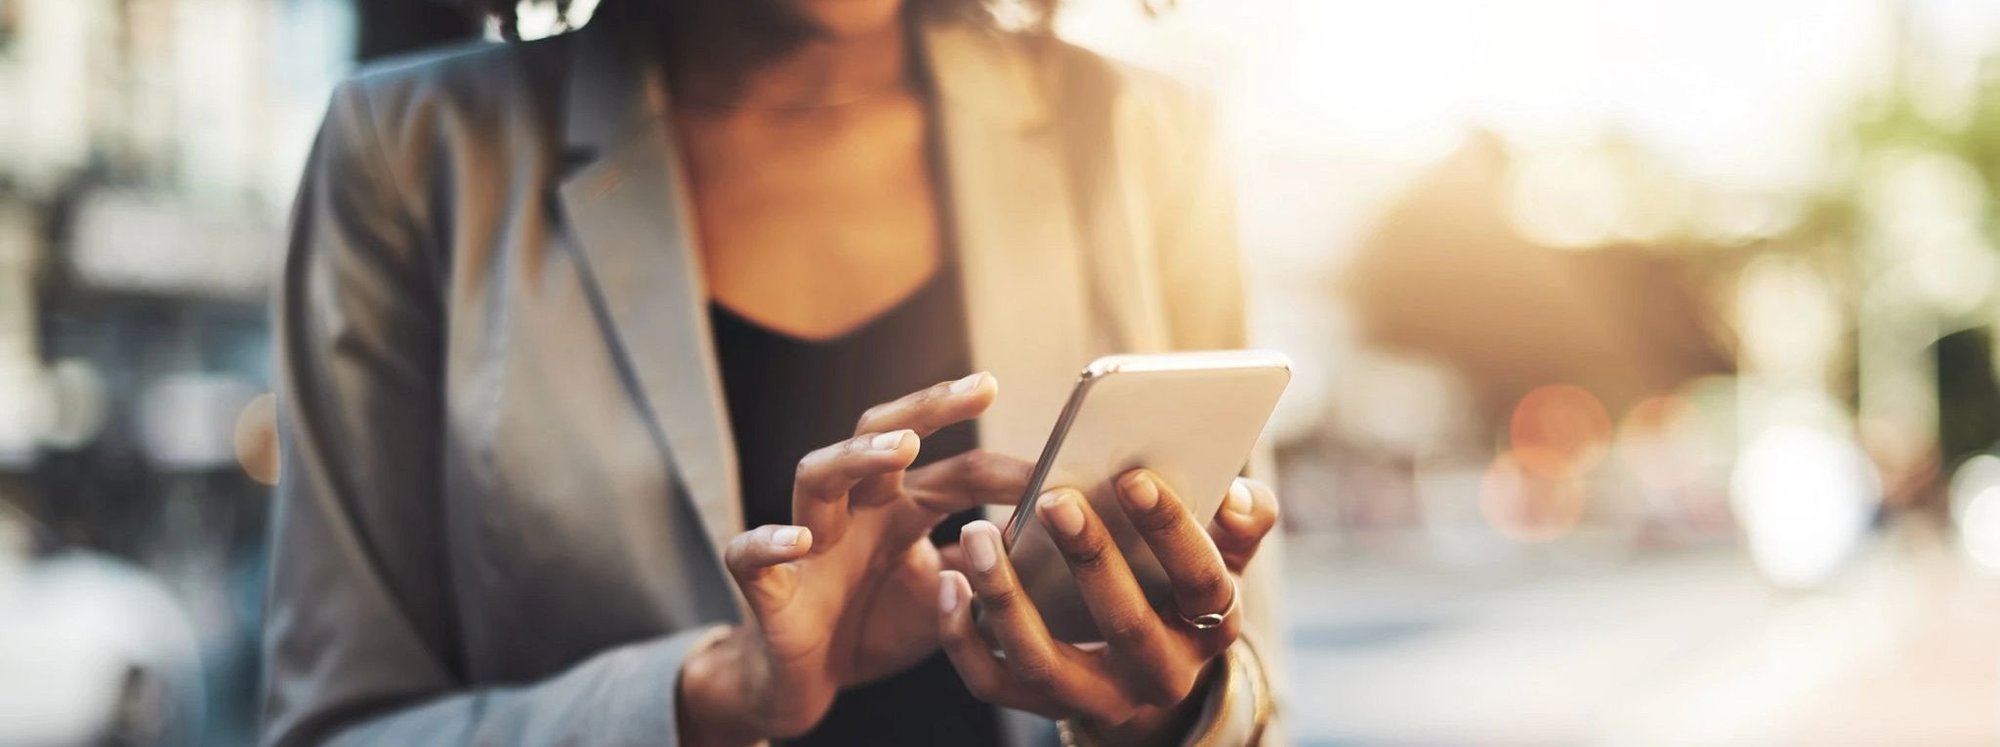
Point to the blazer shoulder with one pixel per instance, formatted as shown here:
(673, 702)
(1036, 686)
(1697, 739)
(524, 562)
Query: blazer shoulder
(1079, 77)
(474, 81)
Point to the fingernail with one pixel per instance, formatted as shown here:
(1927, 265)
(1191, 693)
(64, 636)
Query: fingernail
(968, 383)
(788, 536)
(1238, 501)
(1142, 492)
(947, 592)
(982, 545)
(1061, 513)
(889, 441)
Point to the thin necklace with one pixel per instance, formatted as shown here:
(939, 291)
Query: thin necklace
(820, 106)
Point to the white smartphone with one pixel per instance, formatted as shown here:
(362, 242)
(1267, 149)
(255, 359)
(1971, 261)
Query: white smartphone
(1192, 418)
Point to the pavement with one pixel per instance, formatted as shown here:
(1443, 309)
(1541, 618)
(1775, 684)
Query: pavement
(1610, 647)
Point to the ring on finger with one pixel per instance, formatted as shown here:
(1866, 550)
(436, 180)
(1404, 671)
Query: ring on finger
(1215, 620)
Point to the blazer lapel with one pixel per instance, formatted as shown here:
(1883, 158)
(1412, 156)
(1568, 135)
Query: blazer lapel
(627, 209)
(1023, 271)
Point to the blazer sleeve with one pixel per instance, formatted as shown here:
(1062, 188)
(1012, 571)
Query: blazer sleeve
(359, 642)
(1200, 266)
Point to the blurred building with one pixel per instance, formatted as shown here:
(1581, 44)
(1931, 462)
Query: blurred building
(152, 152)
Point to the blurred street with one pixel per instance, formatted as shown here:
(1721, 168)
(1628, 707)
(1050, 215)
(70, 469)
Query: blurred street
(1647, 353)
(1688, 648)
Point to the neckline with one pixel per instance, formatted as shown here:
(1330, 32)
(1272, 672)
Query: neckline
(913, 299)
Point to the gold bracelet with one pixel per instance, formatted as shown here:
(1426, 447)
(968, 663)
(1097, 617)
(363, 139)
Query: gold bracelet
(1243, 673)
(1264, 700)
(1067, 734)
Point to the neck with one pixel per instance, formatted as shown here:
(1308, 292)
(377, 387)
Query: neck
(808, 70)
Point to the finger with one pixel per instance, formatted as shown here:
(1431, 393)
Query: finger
(1033, 658)
(966, 481)
(1137, 638)
(974, 478)
(1194, 567)
(933, 407)
(826, 476)
(760, 561)
(1248, 514)
(984, 674)
(923, 411)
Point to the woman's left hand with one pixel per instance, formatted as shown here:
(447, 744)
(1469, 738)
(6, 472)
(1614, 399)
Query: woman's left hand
(1139, 686)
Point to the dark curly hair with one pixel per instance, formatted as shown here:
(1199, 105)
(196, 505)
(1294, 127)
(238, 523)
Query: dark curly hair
(1033, 15)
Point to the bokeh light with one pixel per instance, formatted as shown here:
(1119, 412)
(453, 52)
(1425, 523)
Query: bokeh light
(1526, 506)
(257, 439)
(1926, 215)
(1979, 529)
(188, 421)
(1790, 319)
(1569, 199)
(1559, 431)
(1975, 509)
(1805, 497)
(80, 402)
(1973, 476)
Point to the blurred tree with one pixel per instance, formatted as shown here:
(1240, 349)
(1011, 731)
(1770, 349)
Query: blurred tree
(1906, 118)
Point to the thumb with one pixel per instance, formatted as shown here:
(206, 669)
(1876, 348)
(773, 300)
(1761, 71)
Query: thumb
(761, 562)
(1248, 514)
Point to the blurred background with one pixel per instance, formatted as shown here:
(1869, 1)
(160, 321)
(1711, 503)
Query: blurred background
(1647, 383)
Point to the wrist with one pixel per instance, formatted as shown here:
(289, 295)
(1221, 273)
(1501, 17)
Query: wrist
(709, 696)
(1235, 706)
(1157, 726)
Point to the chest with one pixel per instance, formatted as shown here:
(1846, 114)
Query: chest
(814, 222)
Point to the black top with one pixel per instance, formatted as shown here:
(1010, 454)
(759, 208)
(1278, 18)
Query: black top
(788, 396)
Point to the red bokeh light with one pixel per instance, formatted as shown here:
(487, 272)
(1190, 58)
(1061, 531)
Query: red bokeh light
(1559, 431)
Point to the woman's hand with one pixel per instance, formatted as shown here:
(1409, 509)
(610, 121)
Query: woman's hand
(845, 595)
(1138, 687)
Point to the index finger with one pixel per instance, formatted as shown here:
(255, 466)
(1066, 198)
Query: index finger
(933, 407)
(925, 412)
(974, 478)
(826, 476)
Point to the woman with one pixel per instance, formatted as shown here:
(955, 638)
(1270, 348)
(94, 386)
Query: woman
(550, 344)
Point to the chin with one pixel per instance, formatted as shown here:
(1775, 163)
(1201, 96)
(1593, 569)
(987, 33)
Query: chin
(847, 18)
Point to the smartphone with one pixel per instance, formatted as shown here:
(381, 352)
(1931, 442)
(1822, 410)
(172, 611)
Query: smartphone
(1192, 418)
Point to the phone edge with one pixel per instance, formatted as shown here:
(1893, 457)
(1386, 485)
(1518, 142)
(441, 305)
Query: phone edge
(1046, 462)
(1124, 363)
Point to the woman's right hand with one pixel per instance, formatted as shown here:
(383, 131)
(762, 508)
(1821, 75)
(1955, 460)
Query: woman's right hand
(845, 595)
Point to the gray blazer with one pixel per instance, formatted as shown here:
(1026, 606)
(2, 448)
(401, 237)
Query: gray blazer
(507, 468)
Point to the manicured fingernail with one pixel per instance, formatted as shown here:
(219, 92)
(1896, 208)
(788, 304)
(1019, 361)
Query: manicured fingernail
(1142, 491)
(982, 545)
(1238, 501)
(788, 536)
(1060, 511)
(889, 441)
(968, 383)
(947, 592)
